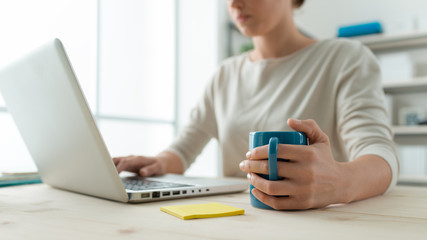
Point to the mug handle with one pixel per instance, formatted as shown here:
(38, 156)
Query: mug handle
(272, 159)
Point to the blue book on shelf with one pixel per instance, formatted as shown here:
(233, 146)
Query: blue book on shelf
(360, 29)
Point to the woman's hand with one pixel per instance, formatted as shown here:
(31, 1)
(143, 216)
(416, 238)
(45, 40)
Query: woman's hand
(313, 178)
(164, 162)
(144, 166)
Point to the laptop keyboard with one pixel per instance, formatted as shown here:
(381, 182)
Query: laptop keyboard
(139, 183)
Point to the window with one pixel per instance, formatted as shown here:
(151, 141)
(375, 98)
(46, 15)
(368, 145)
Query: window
(137, 56)
(137, 75)
(130, 57)
(26, 24)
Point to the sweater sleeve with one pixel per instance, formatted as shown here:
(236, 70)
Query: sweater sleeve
(361, 113)
(202, 126)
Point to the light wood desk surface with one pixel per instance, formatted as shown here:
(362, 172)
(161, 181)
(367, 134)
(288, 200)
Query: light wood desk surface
(41, 212)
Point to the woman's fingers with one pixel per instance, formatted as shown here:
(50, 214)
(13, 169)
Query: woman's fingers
(284, 169)
(132, 163)
(281, 203)
(150, 170)
(310, 128)
(284, 151)
(116, 160)
(285, 194)
(275, 188)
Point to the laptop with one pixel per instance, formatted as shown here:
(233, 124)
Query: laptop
(45, 100)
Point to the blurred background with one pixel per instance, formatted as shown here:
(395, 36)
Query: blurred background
(143, 64)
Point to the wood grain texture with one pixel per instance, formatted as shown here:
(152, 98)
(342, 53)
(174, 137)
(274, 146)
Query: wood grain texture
(41, 212)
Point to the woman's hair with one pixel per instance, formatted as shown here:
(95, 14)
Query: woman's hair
(297, 3)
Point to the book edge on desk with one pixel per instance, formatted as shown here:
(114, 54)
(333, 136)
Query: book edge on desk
(6, 183)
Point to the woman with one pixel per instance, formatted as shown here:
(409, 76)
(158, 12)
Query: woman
(333, 83)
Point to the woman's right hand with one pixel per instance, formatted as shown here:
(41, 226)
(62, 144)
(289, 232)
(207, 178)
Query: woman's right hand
(164, 162)
(144, 166)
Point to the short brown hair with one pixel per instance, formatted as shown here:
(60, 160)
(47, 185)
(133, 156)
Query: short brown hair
(297, 3)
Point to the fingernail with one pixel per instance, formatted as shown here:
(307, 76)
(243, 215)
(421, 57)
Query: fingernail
(254, 191)
(248, 154)
(242, 164)
(249, 176)
(297, 121)
(143, 172)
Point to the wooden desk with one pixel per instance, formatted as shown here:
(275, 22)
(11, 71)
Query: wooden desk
(41, 212)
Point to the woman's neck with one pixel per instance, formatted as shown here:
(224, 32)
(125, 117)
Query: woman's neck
(279, 42)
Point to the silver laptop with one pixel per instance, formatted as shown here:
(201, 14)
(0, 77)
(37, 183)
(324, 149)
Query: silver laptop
(45, 100)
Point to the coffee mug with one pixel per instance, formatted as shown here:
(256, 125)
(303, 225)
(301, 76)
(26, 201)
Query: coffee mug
(272, 139)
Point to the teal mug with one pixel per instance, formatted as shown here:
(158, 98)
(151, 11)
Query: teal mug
(272, 139)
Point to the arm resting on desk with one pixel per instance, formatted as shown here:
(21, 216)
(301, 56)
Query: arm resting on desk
(367, 176)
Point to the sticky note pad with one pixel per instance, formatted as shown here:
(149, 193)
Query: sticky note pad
(206, 210)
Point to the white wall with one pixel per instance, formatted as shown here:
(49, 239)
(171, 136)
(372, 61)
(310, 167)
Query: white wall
(322, 17)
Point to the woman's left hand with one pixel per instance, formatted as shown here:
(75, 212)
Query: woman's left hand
(313, 179)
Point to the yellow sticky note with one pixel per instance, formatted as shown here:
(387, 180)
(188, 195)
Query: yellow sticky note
(205, 210)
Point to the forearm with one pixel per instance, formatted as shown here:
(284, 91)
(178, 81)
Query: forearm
(366, 177)
(171, 162)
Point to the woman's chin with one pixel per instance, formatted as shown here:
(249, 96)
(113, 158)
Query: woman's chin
(248, 32)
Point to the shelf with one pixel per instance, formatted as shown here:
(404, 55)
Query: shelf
(412, 86)
(410, 130)
(412, 180)
(384, 41)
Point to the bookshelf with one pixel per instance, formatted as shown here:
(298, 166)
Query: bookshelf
(410, 92)
(415, 85)
(410, 130)
(387, 42)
